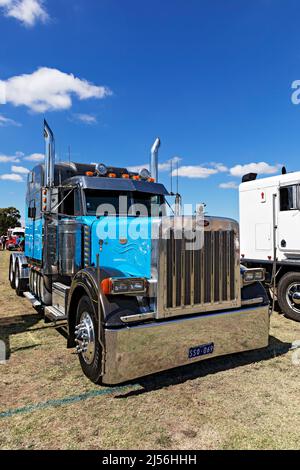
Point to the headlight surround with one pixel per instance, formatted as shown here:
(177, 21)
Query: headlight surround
(125, 286)
(253, 275)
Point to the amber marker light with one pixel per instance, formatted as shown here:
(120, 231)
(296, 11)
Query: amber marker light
(106, 286)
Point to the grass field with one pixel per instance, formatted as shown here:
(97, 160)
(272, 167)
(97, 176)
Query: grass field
(245, 401)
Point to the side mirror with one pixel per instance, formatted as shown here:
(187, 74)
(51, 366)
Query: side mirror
(31, 212)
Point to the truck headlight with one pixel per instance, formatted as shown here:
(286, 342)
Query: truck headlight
(114, 286)
(253, 275)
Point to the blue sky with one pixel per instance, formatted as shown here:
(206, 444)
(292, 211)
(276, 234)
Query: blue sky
(212, 78)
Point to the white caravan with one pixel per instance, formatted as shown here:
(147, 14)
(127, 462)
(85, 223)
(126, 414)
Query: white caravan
(270, 233)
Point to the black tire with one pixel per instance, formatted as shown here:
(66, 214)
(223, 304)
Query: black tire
(92, 370)
(11, 274)
(20, 283)
(285, 287)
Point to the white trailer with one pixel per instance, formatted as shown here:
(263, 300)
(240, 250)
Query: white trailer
(270, 234)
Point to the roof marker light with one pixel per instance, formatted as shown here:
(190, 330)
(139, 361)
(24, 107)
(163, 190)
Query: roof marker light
(89, 173)
(136, 177)
(125, 176)
(112, 175)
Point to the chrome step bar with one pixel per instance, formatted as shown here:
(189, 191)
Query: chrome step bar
(138, 317)
(32, 299)
(53, 314)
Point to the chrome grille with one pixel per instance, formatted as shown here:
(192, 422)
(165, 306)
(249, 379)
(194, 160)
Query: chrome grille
(203, 279)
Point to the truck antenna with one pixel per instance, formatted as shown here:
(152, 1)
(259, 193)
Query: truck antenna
(69, 151)
(171, 168)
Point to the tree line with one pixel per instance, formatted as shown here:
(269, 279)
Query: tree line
(9, 218)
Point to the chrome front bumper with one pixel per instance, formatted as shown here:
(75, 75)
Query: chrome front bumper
(137, 351)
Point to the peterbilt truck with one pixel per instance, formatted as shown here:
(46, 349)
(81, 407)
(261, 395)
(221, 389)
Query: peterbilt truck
(270, 234)
(136, 294)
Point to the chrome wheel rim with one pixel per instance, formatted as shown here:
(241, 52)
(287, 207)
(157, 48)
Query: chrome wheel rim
(11, 275)
(85, 338)
(17, 278)
(293, 296)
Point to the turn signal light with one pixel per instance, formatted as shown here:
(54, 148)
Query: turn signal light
(123, 286)
(106, 286)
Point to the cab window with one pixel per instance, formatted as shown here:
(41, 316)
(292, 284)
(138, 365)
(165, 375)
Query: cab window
(71, 204)
(289, 198)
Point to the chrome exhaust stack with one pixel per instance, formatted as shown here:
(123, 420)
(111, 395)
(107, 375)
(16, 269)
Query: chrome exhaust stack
(49, 155)
(154, 159)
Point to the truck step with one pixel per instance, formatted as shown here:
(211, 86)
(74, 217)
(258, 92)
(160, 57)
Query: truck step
(53, 314)
(34, 301)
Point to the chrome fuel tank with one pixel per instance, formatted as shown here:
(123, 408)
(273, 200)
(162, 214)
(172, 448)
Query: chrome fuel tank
(69, 246)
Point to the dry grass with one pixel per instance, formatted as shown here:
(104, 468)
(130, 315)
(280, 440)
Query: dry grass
(246, 401)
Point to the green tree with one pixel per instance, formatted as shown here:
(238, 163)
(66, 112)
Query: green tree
(9, 218)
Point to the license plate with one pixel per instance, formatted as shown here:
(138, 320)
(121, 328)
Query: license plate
(202, 350)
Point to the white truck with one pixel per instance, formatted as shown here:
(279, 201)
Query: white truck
(270, 234)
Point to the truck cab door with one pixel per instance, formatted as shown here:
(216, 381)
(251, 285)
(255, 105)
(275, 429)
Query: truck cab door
(288, 239)
(30, 226)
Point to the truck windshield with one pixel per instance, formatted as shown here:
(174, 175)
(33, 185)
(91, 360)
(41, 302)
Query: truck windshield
(130, 204)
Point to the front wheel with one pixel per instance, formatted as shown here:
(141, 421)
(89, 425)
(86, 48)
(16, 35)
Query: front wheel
(86, 336)
(289, 295)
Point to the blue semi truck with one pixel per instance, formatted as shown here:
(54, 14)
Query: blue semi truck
(103, 258)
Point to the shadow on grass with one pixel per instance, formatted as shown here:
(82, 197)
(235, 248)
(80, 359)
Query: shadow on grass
(207, 367)
(15, 325)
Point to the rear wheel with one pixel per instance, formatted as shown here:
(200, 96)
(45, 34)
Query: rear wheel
(86, 336)
(289, 295)
(11, 274)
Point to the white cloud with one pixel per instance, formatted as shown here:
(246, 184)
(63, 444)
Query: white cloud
(4, 121)
(262, 168)
(194, 171)
(220, 167)
(19, 169)
(229, 185)
(9, 159)
(88, 119)
(49, 89)
(165, 166)
(28, 12)
(35, 157)
(12, 177)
